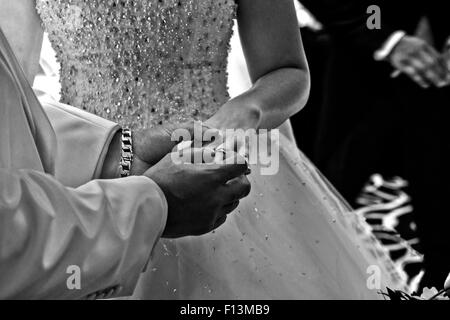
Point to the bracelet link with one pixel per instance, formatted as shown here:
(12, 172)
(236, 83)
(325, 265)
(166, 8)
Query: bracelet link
(127, 153)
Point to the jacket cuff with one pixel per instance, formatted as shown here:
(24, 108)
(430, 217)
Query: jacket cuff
(83, 140)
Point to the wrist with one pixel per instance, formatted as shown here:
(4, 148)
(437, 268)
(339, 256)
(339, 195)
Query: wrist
(236, 115)
(139, 166)
(120, 159)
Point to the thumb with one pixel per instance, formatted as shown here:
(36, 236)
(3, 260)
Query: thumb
(194, 155)
(201, 133)
(232, 167)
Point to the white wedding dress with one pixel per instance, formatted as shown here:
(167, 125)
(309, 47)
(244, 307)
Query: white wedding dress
(148, 62)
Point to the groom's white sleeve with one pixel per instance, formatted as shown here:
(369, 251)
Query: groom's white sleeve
(83, 140)
(57, 241)
(63, 243)
(104, 229)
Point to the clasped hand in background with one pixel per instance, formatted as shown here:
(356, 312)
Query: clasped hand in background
(421, 62)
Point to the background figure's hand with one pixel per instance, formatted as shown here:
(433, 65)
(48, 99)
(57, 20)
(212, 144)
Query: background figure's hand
(420, 61)
(152, 144)
(199, 195)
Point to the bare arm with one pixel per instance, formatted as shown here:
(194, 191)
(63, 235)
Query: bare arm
(277, 65)
(22, 27)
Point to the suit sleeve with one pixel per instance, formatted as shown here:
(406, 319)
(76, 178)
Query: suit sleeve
(104, 230)
(59, 242)
(83, 140)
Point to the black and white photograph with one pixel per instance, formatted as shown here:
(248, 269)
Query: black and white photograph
(242, 151)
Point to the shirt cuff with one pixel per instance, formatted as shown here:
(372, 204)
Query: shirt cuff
(389, 45)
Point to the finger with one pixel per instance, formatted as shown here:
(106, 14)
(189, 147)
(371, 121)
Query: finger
(232, 157)
(434, 66)
(420, 69)
(228, 208)
(233, 142)
(184, 145)
(200, 133)
(196, 155)
(227, 157)
(415, 76)
(446, 54)
(211, 137)
(433, 77)
(442, 62)
(227, 172)
(181, 133)
(224, 156)
(446, 58)
(396, 74)
(236, 189)
(447, 45)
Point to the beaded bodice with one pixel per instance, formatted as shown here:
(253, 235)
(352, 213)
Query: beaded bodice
(141, 62)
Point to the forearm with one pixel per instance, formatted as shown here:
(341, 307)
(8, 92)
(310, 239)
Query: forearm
(272, 99)
(272, 45)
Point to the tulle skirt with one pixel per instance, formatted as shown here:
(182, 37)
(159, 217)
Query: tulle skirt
(292, 238)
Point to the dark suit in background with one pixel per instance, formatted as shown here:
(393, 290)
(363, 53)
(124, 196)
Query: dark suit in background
(370, 123)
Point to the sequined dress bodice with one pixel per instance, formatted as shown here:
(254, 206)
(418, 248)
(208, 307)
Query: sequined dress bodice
(141, 62)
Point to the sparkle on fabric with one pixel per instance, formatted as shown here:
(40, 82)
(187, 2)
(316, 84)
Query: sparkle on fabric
(141, 62)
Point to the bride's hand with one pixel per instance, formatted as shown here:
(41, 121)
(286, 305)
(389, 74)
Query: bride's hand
(235, 114)
(152, 144)
(234, 119)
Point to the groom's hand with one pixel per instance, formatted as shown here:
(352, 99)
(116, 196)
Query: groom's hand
(152, 144)
(199, 195)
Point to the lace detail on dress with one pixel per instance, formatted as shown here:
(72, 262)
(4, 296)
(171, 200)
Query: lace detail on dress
(141, 62)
